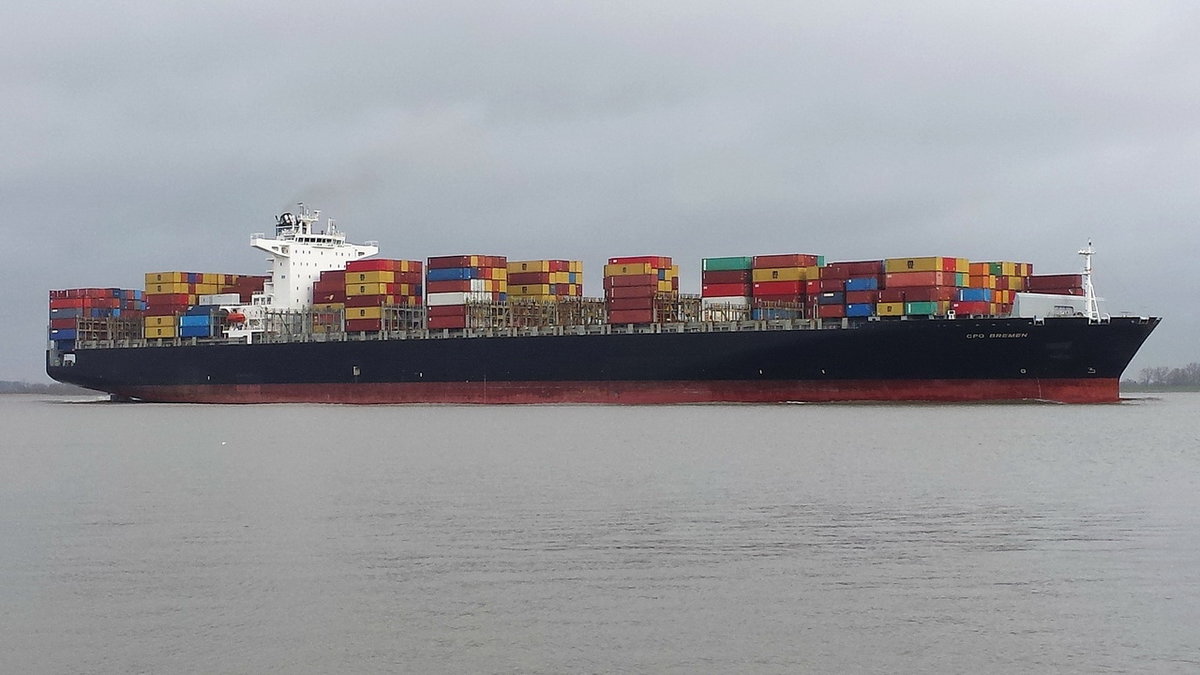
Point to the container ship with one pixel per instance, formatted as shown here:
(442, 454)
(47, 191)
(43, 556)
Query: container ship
(333, 323)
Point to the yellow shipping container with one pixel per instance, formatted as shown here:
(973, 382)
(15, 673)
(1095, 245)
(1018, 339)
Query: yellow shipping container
(165, 278)
(529, 289)
(161, 332)
(207, 289)
(367, 289)
(779, 274)
(576, 266)
(515, 266)
(372, 277)
(665, 286)
(926, 264)
(160, 321)
(630, 269)
(210, 278)
(962, 265)
(889, 308)
(169, 288)
(364, 312)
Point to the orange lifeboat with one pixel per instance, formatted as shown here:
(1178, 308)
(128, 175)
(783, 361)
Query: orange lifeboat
(236, 317)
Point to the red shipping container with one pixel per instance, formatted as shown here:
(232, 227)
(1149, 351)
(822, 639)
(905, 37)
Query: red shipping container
(522, 278)
(560, 265)
(60, 324)
(451, 322)
(785, 260)
(782, 299)
(163, 299)
(325, 297)
(812, 287)
(1039, 282)
(905, 279)
(779, 288)
(861, 297)
(447, 261)
(831, 311)
(722, 290)
(726, 277)
(631, 316)
(410, 277)
(370, 265)
(657, 261)
(832, 285)
(333, 276)
(457, 286)
(1058, 291)
(447, 310)
(631, 280)
(851, 269)
(66, 303)
(355, 325)
(971, 307)
(622, 304)
(370, 300)
(917, 294)
(631, 292)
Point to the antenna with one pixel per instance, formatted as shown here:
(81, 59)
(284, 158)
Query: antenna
(1089, 291)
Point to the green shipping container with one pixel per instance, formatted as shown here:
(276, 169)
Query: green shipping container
(729, 263)
(920, 308)
(962, 279)
(996, 269)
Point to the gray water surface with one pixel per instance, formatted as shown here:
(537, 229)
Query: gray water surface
(690, 539)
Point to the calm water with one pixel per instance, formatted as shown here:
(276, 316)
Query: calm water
(330, 539)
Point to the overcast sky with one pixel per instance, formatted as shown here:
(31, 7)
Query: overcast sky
(151, 136)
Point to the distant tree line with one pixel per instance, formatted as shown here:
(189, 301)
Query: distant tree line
(1187, 376)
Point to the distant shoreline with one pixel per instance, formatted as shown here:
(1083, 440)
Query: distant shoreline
(56, 388)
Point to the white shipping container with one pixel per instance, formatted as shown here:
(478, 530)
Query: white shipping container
(731, 300)
(1046, 305)
(456, 298)
(220, 299)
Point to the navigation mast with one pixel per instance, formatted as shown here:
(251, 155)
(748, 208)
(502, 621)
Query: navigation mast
(1089, 291)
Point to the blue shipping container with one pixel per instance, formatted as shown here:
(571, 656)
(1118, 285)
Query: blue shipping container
(191, 320)
(860, 309)
(62, 334)
(450, 274)
(831, 298)
(863, 284)
(206, 310)
(66, 313)
(975, 294)
(195, 331)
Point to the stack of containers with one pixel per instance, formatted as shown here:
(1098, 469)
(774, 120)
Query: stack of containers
(727, 281)
(329, 298)
(632, 285)
(545, 280)
(782, 284)
(372, 284)
(244, 285)
(453, 281)
(200, 321)
(850, 289)
(992, 288)
(69, 305)
(923, 286)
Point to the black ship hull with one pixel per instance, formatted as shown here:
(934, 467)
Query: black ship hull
(1068, 360)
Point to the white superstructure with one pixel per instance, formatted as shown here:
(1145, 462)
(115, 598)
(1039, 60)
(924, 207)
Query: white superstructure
(298, 256)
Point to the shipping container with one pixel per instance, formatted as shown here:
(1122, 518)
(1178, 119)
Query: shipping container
(631, 316)
(727, 264)
(787, 260)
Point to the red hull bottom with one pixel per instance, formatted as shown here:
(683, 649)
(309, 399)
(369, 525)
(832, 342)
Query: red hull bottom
(639, 393)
